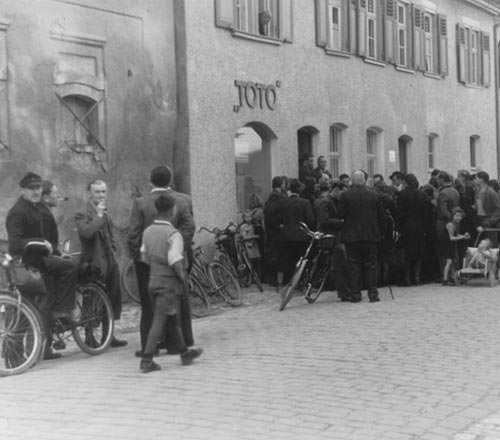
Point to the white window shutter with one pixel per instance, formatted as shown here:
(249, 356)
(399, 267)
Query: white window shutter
(224, 13)
(286, 20)
(362, 18)
(390, 25)
(321, 23)
(486, 63)
(443, 44)
(462, 56)
(418, 39)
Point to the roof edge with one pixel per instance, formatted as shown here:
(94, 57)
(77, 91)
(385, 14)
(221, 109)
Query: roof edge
(486, 6)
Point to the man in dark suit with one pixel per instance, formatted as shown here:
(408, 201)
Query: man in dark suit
(143, 214)
(294, 209)
(30, 220)
(95, 229)
(363, 214)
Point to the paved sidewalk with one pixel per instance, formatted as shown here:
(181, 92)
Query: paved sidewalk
(425, 366)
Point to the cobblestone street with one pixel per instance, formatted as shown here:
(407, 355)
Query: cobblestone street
(424, 366)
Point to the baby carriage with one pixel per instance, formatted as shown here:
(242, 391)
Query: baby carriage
(480, 261)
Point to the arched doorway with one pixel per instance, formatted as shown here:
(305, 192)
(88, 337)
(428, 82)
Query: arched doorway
(404, 143)
(252, 151)
(306, 141)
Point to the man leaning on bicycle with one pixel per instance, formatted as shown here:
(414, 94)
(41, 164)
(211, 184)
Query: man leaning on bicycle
(30, 220)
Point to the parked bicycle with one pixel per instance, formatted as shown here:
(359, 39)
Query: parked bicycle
(214, 279)
(224, 243)
(312, 269)
(22, 334)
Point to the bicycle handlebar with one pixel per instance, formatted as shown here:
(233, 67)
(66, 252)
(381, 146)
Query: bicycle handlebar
(314, 235)
(217, 231)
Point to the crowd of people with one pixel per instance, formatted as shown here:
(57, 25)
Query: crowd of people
(397, 231)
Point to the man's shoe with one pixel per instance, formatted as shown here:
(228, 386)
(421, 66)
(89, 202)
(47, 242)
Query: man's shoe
(58, 345)
(374, 299)
(50, 355)
(147, 366)
(354, 299)
(189, 355)
(118, 343)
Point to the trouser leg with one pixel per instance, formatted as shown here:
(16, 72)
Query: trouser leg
(155, 333)
(113, 288)
(356, 268)
(142, 272)
(341, 271)
(370, 268)
(65, 274)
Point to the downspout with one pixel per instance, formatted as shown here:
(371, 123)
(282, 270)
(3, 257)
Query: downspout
(497, 85)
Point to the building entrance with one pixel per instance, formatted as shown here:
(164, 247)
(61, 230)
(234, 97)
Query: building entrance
(252, 150)
(306, 141)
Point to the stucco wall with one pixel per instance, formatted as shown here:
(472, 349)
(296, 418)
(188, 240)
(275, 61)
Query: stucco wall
(319, 90)
(140, 108)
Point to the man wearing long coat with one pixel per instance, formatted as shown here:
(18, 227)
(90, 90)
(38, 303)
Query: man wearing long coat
(95, 229)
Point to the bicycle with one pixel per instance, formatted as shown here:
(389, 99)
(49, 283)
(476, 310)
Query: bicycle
(224, 240)
(213, 279)
(22, 333)
(312, 269)
(246, 270)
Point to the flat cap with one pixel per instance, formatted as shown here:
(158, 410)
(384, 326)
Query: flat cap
(30, 180)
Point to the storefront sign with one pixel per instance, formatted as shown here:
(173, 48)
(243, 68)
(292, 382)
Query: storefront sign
(256, 95)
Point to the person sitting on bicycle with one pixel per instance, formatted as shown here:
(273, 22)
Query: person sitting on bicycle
(163, 250)
(30, 220)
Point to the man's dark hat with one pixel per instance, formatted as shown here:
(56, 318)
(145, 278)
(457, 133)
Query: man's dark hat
(30, 180)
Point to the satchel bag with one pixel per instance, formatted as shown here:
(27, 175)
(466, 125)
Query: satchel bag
(28, 280)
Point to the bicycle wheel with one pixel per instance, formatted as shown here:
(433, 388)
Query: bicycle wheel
(319, 275)
(128, 281)
(21, 335)
(93, 329)
(293, 283)
(200, 304)
(224, 284)
(224, 259)
(252, 272)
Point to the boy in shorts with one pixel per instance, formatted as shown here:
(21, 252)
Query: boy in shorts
(163, 250)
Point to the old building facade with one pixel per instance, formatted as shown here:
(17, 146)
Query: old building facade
(371, 84)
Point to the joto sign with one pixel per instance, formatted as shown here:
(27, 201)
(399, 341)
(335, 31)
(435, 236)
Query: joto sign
(257, 95)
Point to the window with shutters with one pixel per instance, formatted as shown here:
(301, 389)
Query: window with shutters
(428, 24)
(334, 25)
(335, 154)
(259, 20)
(473, 49)
(402, 34)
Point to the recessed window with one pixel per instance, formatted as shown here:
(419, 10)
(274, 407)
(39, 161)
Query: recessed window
(336, 135)
(429, 42)
(473, 147)
(372, 137)
(80, 121)
(431, 151)
(402, 35)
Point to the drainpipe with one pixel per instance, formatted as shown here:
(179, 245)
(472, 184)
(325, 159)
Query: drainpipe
(497, 85)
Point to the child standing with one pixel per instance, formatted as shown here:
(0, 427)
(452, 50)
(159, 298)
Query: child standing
(162, 249)
(452, 238)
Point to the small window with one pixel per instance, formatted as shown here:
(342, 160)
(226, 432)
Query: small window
(80, 122)
(336, 134)
(371, 152)
(473, 145)
(431, 151)
(257, 17)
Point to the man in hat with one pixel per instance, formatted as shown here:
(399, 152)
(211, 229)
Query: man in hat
(30, 220)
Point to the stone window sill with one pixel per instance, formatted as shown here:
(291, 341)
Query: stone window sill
(261, 39)
(432, 75)
(405, 70)
(374, 62)
(336, 53)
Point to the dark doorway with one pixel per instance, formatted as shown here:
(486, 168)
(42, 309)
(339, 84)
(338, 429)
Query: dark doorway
(306, 137)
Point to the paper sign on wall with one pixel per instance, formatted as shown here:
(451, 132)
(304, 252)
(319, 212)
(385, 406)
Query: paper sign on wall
(392, 156)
